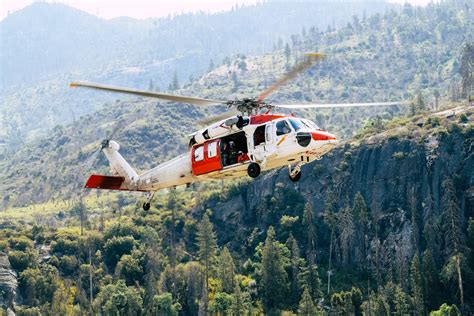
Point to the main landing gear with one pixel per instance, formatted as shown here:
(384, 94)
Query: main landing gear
(146, 204)
(253, 170)
(295, 173)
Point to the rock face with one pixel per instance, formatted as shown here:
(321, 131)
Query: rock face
(397, 175)
(8, 285)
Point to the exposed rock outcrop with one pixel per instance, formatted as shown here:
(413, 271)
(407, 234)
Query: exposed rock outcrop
(8, 285)
(394, 173)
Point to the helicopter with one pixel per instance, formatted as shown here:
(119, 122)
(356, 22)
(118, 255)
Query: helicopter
(246, 141)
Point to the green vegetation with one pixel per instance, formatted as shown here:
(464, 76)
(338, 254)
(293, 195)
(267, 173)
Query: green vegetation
(383, 225)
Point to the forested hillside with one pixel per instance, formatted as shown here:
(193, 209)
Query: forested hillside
(47, 45)
(379, 227)
(359, 68)
(382, 225)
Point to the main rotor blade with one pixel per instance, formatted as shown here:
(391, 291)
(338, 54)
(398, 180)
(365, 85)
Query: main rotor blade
(310, 59)
(337, 105)
(164, 96)
(216, 118)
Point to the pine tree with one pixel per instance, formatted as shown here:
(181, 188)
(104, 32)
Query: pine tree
(175, 83)
(306, 306)
(274, 281)
(295, 259)
(452, 224)
(431, 280)
(310, 230)
(206, 241)
(402, 302)
(287, 53)
(414, 220)
(240, 302)
(359, 209)
(420, 102)
(467, 69)
(309, 278)
(330, 219)
(226, 270)
(346, 227)
(151, 87)
(417, 287)
(211, 65)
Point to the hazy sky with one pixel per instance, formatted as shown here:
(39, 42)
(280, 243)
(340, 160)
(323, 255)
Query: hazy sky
(143, 9)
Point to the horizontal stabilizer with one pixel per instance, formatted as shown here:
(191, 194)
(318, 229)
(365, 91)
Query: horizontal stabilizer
(97, 181)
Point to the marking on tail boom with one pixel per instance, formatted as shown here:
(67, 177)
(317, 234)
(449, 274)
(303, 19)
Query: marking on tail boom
(97, 181)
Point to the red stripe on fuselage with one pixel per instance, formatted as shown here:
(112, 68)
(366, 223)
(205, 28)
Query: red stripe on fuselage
(263, 118)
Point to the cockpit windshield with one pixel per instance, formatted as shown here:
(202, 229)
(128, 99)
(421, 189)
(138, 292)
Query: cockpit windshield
(297, 124)
(310, 124)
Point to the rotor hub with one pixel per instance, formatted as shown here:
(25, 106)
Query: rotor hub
(251, 106)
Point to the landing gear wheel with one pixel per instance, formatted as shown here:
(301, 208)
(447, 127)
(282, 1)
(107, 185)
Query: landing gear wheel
(146, 206)
(253, 170)
(296, 177)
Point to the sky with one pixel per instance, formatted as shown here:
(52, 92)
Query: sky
(142, 9)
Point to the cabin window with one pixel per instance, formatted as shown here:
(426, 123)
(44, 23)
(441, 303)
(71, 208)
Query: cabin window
(199, 153)
(268, 133)
(211, 149)
(282, 128)
(259, 135)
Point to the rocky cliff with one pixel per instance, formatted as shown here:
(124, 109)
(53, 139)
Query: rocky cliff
(8, 285)
(398, 171)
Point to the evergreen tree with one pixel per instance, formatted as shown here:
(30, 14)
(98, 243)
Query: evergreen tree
(226, 270)
(306, 305)
(467, 69)
(287, 53)
(211, 65)
(295, 260)
(309, 278)
(420, 102)
(347, 229)
(452, 225)
(175, 83)
(240, 302)
(330, 218)
(206, 241)
(274, 283)
(431, 281)
(359, 209)
(417, 287)
(402, 302)
(151, 87)
(309, 227)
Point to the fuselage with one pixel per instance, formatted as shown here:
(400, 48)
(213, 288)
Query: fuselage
(226, 148)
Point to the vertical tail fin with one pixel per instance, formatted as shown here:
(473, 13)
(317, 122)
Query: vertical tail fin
(118, 163)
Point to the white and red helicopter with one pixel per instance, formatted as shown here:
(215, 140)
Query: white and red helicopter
(249, 142)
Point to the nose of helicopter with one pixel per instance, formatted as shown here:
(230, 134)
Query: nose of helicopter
(322, 135)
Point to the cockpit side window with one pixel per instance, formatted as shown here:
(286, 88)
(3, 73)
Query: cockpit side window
(282, 128)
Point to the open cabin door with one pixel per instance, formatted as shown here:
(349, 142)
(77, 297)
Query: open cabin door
(206, 157)
(263, 142)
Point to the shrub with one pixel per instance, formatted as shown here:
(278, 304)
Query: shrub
(398, 155)
(21, 260)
